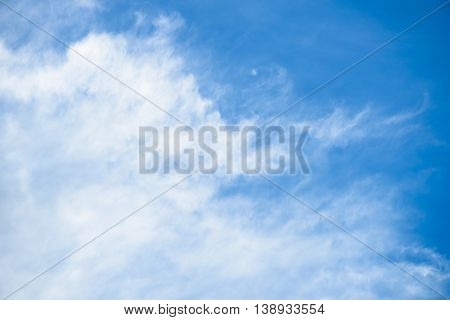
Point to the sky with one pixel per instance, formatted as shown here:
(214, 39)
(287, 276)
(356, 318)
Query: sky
(378, 150)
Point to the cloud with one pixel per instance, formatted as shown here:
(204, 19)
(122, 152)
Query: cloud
(69, 146)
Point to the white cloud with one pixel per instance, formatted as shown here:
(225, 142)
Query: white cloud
(69, 152)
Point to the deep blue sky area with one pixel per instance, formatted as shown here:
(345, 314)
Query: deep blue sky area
(313, 40)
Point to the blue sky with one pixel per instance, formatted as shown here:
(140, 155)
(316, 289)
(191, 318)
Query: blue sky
(378, 149)
(314, 41)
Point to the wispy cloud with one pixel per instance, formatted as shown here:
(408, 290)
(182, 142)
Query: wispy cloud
(69, 142)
